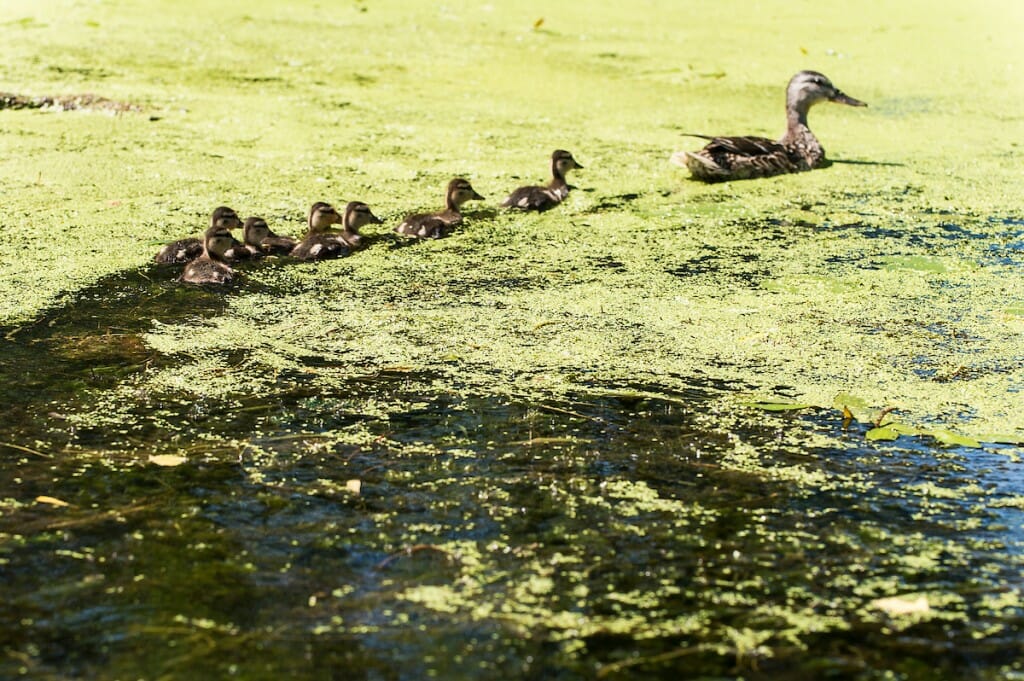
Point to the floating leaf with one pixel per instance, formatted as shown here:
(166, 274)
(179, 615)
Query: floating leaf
(847, 417)
(355, 486)
(857, 406)
(777, 406)
(902, 428)
(901, 605)
(948, 437)
(882, 433)
(537, 24)
(1001, 438)
(52, 501)
(167, 460)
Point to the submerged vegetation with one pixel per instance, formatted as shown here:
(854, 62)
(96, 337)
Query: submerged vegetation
(762, 429)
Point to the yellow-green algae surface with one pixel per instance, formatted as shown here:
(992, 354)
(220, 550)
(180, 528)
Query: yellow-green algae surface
(526, 448)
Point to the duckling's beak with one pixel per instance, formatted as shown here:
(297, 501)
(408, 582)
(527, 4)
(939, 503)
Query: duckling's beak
(374, 220)
(477, 196)
(578, 166)
(842, 98)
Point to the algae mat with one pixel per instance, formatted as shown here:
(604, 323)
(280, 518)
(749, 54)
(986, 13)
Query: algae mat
(547, 440)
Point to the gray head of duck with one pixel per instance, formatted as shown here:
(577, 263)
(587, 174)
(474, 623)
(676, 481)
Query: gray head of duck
(217, 241)
(460, 191)
(807, 88)
(562, 162)
(358, 214)
(255, 230)
(323, 215)
(225, 217)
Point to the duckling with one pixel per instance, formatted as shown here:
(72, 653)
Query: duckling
(210, 267)
(320, 243)
(543, 198)
(356, 215)
(741, 158)
(437, 225)
(186, 250)
(259, 239)
(316, 245)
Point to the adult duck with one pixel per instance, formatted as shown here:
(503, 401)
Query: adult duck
(742, 158)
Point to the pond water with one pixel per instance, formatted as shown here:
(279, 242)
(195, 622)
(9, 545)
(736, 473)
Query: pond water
(560, 446)
(626, 531)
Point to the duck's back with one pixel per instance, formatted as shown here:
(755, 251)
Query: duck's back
(180, 251)
(535, 198)
(204, 270)
(319, 247)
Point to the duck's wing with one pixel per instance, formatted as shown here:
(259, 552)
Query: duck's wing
(318, 247)
(176, 252)
(530, 198)
(279, 245)
(425, 226)
(742, 146)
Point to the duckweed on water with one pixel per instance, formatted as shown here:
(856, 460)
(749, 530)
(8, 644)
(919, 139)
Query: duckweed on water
(663, 430)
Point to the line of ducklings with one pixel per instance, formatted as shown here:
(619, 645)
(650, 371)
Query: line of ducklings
(208, 261)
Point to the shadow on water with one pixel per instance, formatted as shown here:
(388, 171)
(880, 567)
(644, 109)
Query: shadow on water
(629, 531)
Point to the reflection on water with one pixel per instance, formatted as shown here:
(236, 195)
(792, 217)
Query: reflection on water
(625, 530)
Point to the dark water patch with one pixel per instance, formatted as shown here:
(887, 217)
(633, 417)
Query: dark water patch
(730, 264)
(520, 511)
(401, 520)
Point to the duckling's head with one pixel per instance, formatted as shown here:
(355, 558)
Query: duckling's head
(460, 191)
(562, 162)
(217, 241)
(323, 215)
(807, 88)
(225, 217)
(254, 231)
(358, 214)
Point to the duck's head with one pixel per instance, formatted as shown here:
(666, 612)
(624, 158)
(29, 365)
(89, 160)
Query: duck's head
(358, 214)
(254, 231)
(225, 217)
(562, 162)
(807, 88)
(217, 241)
(323, 215)
(460, 191)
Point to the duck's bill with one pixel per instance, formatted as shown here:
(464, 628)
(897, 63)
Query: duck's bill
(843, 98)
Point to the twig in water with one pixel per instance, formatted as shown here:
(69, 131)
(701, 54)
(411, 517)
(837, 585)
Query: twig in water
(411, 550)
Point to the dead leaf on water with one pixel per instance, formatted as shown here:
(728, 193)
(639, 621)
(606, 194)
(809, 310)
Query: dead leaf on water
(901, 605)
(167, 460)
(354, 486)
(52, 501)
(537, 24)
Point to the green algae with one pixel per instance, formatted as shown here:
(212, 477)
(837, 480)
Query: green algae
(807, 277)
(545, 413)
